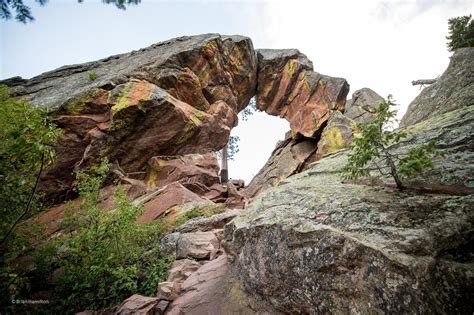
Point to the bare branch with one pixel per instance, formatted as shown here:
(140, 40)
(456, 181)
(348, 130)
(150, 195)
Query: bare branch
(28, 205)
(423, 82)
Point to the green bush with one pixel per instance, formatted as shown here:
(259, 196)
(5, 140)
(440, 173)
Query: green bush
(26, 138)
(461, 32)
(370, 150)
(107, 255)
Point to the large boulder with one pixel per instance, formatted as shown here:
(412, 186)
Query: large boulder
(288, 87)
(337, 135)
(138, 304)
(176, 97)
(361, 106)
(164, 202)
(211, 290)
(352, 248)
(452, 90)
(197, 172)
(198, 245)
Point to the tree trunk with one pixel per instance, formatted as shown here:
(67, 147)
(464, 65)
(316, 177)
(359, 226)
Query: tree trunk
(224, 166)
(393, 168)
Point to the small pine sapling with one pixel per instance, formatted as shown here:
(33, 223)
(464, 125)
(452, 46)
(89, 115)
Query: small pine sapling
(371, 150)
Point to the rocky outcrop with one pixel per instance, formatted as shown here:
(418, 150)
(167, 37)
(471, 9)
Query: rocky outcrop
(172, 98)
(452, 90)
(196, 172)
(288, 87)
(355, 248)
(362, 104)
(159, 113)
(287, 159)
(211, 290)
(337, 135)
(138, 304)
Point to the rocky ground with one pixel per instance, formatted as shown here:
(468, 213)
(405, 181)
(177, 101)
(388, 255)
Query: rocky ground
(297, 239)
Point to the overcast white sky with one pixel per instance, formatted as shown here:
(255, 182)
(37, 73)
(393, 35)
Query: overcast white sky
(378, 44)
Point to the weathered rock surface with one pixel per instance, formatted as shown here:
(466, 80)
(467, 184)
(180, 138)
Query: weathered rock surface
(288, 87)
(347, 248)
(337, 135)
(211, 290)
(198, 245)
(172, 195)
(196, 172)
(138, 304)
(204, 224)
(172, 98)
(234, 200)
(360, 107)
(452, 90)
(287, 159)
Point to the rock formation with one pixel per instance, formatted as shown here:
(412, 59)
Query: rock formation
(362, 103)
(177, 97)
(354, 248)
(305, 242)
(288, 87)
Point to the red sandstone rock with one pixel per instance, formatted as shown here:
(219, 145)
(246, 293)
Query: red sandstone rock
(138, 304)
(288, 87)
(197, 172)
(198, 245)
(173, 194)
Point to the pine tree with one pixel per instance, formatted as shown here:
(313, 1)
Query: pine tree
(461, 32)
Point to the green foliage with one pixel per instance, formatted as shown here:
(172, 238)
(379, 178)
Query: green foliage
(23, 12)
(107, 255)
(92, 75)
(233, 144)
(461, 32)
(26, 136)
(370, 149)
(249, 110)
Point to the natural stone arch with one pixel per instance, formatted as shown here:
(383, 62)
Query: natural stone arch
(177, 97)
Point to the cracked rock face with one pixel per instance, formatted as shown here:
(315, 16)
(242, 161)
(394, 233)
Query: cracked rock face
(176, 97)
(347, 248)
(288, 158)
(288, 87)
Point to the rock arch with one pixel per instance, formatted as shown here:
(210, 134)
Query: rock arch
(177, 97)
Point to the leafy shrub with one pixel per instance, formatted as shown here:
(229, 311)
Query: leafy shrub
(370, 149)
(461, 32)
(107, 256)
(26, 138)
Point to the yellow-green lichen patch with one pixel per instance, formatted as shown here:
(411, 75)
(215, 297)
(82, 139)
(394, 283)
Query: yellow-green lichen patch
(123, 100)
(333, 140)
(197, 118)
(187, 133)
(75, 107)
(151, 178)
(291, 66)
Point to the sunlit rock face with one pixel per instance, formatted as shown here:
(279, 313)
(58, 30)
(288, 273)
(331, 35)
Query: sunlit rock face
(288, 87)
